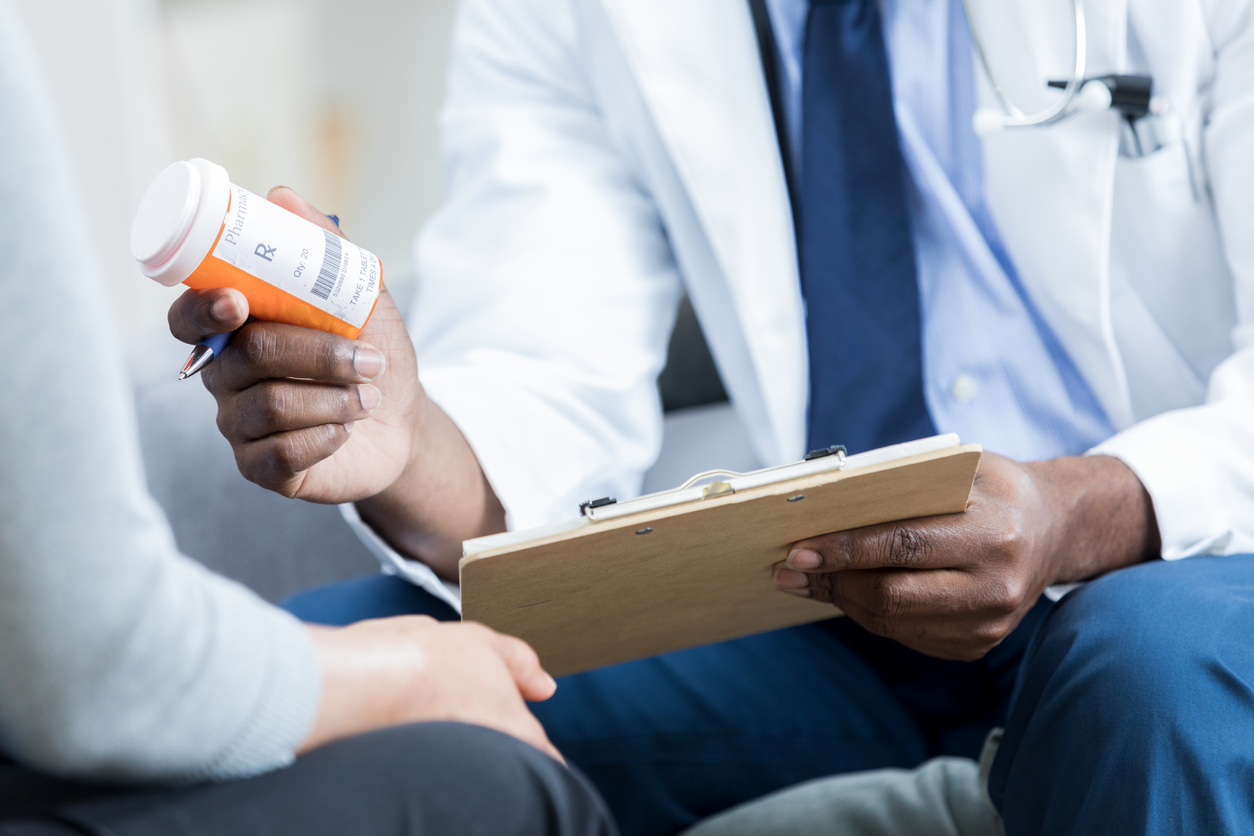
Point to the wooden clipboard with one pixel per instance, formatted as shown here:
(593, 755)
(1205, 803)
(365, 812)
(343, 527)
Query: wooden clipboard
(692, 573)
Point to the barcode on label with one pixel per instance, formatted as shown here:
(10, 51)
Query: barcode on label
(331, 261)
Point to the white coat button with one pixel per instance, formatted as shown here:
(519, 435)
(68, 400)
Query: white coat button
(964, 388)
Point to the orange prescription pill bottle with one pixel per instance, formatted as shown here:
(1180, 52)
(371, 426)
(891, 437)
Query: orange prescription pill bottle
(196, 227)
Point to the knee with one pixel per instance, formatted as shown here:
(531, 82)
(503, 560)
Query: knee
(1123, 687)
(1118, 657)
(1125, 640)
(479, 778)
(1143, 635)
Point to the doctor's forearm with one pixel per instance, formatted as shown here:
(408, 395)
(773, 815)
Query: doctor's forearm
(441, 499)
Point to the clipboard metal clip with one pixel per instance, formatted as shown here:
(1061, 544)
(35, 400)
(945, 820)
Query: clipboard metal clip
(816, 463)
(692, 491)
(706, 475)
(823, 452)
(716, 489)
(722, 488)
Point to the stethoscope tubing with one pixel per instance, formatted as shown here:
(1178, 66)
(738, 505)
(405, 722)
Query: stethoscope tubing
(1060, 109)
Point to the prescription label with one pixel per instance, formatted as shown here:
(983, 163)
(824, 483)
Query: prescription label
(298, 257)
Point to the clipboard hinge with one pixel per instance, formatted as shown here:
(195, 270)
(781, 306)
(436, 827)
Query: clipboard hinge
(593, 504)
(837, 450)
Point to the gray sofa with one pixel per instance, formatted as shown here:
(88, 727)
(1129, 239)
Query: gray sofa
(274, 545)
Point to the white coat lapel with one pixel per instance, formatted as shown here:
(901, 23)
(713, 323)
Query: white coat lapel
(697, 65)
(1051, 189)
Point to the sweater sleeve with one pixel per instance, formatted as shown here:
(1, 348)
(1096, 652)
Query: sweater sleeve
(121, 659)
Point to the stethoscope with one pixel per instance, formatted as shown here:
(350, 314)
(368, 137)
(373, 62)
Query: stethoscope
(1146, 122)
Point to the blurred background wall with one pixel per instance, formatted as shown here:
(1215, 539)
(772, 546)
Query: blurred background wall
(336, 99)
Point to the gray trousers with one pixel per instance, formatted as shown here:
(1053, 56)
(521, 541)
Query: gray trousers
(428, 779)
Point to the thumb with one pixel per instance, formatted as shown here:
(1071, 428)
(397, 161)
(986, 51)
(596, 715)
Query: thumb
(533, 682)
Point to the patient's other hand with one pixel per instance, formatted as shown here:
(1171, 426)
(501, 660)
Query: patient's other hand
(309, 414)
(410, 669)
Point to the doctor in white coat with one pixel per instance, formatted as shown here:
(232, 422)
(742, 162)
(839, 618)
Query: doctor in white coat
(1075, 295)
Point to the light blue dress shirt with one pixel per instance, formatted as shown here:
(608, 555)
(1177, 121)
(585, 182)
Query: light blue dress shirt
(993, 370)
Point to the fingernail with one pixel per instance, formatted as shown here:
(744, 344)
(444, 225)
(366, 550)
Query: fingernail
(787, 579)
(368, 362)
(274, 189)
(551, 680)
(804, 559)
(348, 428)
(369, 396)
(225, 308)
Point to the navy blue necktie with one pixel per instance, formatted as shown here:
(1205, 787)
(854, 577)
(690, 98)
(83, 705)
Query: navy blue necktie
(858, 270)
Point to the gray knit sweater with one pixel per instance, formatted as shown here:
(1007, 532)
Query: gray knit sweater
(119, 657)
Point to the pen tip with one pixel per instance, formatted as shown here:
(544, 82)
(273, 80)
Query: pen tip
(201, 355)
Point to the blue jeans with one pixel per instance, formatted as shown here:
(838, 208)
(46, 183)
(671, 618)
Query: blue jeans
(1132, 712)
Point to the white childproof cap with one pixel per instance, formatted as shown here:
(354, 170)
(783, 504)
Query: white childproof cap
(179, 219)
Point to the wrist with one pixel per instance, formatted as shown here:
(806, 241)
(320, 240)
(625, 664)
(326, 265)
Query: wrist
(366, 682)
(1099, 516)
(334, 719)
(408, 477)
(441, 497)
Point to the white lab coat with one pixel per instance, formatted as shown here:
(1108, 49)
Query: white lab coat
(602, 154)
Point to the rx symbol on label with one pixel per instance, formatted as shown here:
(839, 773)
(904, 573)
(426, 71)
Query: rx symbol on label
(265, 252)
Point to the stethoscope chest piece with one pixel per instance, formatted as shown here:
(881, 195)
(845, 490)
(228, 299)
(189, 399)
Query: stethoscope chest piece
(1147, 123)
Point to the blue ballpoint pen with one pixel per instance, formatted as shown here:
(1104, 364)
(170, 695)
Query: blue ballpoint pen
(207, 349)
